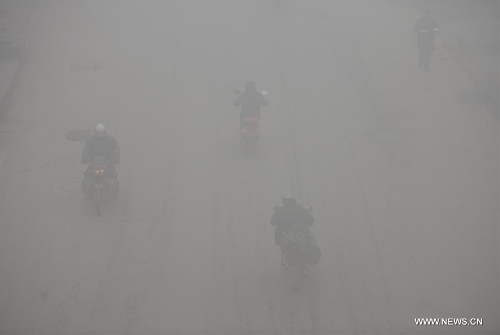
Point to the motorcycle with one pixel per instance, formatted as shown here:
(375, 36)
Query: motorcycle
(423, 32)
(281, 6)
(299, 250)
(97, 185)
(425, 35)
(425, 43)
(250, 133)
(250, 130)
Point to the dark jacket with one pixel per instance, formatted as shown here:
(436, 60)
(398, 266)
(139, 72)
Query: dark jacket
(287, 216)
(250, 102)
(426, 41)
(106, 147)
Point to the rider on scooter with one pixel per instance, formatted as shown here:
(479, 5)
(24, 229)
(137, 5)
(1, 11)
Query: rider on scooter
(287, 216)
(250, 101)
(101, 144)
(426, 29)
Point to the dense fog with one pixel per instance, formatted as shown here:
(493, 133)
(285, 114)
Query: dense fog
(400, 166)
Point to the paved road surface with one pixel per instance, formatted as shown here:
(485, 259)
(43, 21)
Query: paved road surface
(402, 174)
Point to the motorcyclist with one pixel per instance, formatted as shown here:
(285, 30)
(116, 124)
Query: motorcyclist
(102, 144)
(426, 28)
(288, 215)
(250, 101)
(280, 4)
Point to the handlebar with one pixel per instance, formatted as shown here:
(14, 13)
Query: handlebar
(88, 160)
(264, 93)
(114, 157)
(308, 208)
(424, 31)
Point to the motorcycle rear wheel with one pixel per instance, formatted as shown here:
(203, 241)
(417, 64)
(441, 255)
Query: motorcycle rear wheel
(99, 201)
(249, 145)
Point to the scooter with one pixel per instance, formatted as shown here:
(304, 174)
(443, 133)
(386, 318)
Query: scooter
(295, 258)
(100, 188)
(250, 133)
(250, 130)
(281, 6)
(425, 31)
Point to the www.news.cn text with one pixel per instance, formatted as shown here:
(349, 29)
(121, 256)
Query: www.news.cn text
(449, 321)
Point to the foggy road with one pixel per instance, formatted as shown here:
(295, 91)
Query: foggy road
(402, 173)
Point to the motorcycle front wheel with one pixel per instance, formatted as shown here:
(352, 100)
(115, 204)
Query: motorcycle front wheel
(249, 145)
(99, 201)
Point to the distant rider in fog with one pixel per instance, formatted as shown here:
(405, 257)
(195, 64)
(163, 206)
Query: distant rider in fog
(426, 29)
(103, 145)
(250, 101)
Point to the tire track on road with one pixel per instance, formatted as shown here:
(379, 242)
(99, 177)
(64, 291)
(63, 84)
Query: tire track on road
(326, 201)
(231, 248)
(350, 59)
(267, 269)
(293, 167)
(248, 172)
(263, 251)
(147, 261)
(243, 321)
(219, 246)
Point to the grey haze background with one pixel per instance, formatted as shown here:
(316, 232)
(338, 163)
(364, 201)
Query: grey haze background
(400, 166)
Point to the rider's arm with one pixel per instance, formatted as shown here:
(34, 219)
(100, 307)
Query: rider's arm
(85, 153)
(435, 24)
(85, 156)
(275, 219)
(116, 158)
(263, 101)
(310, 220)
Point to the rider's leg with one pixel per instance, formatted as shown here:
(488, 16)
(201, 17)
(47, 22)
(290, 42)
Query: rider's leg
(87, 183)
(421, 58)
(112, 171)
(427, 59)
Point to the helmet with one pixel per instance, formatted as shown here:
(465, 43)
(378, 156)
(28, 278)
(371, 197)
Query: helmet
(250, 86)
(427, 11)
(100, 130)
(288, 199)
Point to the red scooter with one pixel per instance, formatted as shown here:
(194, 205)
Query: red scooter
(250, 133)
(250, 130)
(96, 183)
